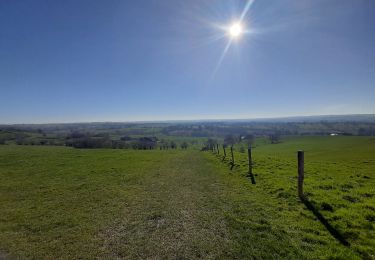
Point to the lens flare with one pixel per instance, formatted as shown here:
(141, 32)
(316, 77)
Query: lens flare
(235, 30)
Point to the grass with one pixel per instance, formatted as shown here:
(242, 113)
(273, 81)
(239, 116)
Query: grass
(54, 199)
(339, 182)
(59, 202)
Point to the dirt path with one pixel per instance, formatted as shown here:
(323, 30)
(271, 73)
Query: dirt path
(175, 214)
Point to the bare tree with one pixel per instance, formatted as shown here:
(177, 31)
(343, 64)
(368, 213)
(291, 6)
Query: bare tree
(229, 140)
(211, 143)
(274, 138)
(184, 145)
(173, 145)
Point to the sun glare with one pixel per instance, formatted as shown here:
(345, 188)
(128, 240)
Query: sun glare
(235, 30)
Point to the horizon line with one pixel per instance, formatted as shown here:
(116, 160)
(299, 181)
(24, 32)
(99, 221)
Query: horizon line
(189, 120)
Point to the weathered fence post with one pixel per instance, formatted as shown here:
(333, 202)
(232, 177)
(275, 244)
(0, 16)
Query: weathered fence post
(250, 161)
(301, 161)
(217, 149)
(251, 175)
(231, 151)
(225, 153)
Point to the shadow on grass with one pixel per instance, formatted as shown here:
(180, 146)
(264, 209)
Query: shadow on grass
(334, 232)
(252, 178)
(232, 165)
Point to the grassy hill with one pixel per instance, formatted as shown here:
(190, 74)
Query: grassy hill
(339, 182)
(59, 202)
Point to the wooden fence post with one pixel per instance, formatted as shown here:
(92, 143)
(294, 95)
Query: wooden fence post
(251, 175)
(217, 149)
(250, 161)
(231, 151)
(301, 161)
(225, 153)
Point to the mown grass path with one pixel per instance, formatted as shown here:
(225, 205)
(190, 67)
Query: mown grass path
(174, 214)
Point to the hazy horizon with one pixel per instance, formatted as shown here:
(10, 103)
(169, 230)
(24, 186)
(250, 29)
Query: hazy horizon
(189, 119)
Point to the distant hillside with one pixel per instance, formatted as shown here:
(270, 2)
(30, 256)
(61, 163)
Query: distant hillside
(363, 118)
(366, 118)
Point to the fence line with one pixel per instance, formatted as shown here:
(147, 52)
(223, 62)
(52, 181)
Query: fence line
(300, 177)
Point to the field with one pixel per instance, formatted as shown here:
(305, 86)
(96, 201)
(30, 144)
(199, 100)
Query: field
(60, 202)
(339, 182)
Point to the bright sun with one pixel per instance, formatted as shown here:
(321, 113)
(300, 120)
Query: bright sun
(235, 30)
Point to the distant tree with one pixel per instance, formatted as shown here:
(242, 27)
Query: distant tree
(126, 138)
(274, 138)
(361, 131)
(249, 139)
(163, 144)
(145, 143)
(20, 141)
(184, 145)
(89, 142)
(229, 140)
(173, 145)
(76, 134)
(366, 131)
(118, 144)
(211, 143)
(103, 135)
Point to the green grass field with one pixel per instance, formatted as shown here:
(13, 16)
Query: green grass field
(339, 181)
(59, 202)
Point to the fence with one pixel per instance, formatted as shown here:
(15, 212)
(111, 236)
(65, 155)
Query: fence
(300, 158)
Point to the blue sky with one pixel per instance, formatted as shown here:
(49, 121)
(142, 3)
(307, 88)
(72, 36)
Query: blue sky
(79, 61)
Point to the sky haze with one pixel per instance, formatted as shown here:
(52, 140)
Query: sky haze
(81, 61)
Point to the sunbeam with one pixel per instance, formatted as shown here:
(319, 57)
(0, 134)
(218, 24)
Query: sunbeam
(246, 9)
(221, 58)
(234, 31)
